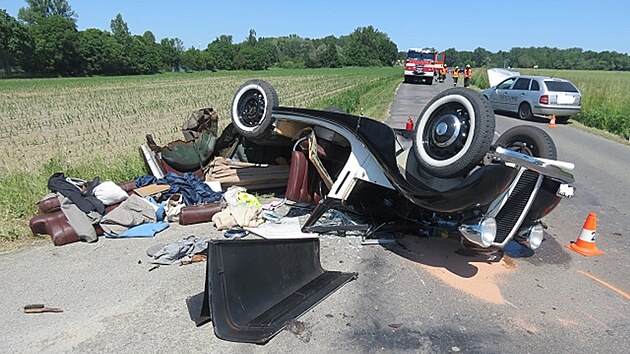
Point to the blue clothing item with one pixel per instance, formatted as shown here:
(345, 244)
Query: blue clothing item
(193, 189)
(143, 230)
(160, 213)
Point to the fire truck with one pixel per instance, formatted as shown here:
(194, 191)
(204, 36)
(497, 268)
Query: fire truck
(423, 65)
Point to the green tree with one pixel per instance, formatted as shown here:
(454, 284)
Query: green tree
(120, 30)
(54, 50)
(38, 9)
(481, 57)
(251, 38)
(15, 42)
(330, 57)
(251, 58)
(196, 60)
(148, 37)
(367, 46)
(144, 57)
(171, 50)
(99, 52)
(222, 52)
(271, 49)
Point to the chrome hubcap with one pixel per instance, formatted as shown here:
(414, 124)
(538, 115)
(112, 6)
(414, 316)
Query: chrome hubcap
(446, 131)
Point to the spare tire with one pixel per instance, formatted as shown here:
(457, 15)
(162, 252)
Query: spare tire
(454, 132)
(251, 108)
(529, 140)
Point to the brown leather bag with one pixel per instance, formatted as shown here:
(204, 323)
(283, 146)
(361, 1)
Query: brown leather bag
(198, 213)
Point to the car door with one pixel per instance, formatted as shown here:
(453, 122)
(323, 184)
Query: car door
(498, 97)
(518, 93)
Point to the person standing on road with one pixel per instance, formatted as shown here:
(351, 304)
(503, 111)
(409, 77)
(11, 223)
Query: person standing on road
(443, 72)
(467, 75)
(455, 75)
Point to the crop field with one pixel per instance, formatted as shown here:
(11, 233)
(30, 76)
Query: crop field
(80, 119)
(94, 126)
(605, 96)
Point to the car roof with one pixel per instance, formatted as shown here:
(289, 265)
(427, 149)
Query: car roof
(540, 77)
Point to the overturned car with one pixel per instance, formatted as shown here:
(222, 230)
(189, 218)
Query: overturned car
(446, 174)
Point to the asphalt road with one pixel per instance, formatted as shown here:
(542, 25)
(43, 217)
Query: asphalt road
(421, 295)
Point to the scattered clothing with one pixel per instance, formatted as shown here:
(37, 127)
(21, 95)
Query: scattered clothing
(132, 212)
(78, 191)
(173, 207)
(180, 251)
(231, 195)
(274, 205)
(242, 216)
(82, 223)
(193, 189)
(109, 193)
(247, 199)
(143, 230)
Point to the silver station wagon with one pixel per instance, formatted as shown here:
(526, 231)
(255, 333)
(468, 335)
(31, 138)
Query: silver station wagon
(530, 96)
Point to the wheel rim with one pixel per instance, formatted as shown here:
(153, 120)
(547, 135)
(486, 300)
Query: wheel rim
(525, 111)
(524, 146)
(446, 132)
(251, 108)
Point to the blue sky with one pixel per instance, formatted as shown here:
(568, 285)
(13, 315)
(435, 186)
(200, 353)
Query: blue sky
(463, 25)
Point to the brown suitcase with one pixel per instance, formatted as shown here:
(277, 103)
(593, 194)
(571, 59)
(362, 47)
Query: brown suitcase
(198, 213)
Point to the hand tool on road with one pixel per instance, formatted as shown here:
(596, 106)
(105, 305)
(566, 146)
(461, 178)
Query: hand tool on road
(40, 308)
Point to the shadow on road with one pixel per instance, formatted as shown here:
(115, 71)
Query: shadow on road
(532, 120)
(194, 304)
(442, 253)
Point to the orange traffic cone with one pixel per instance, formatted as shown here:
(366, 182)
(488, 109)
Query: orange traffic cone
(552, 121)
(585, 244)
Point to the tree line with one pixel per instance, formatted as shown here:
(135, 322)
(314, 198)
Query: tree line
(541, 57)
(44, 40)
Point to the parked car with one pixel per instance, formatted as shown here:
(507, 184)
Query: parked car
(530, 96)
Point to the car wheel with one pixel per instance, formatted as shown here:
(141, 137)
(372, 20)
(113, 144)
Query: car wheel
(525, 111)
(251, 108)
(529, 140)
(453, 132)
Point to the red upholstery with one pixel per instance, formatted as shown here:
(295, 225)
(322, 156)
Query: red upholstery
(56, 225)
(298, 185)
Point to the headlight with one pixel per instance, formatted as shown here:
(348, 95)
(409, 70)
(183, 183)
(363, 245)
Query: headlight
(532, 236)
(482, 234)
(488, 231)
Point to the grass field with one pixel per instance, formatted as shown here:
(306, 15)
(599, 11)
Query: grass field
(90, 127)
(605, 96)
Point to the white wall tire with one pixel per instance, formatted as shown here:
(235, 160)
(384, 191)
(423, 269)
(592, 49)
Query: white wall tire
(453, 132)
(252, 107)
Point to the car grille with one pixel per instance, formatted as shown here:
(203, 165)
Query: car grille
(515, 205)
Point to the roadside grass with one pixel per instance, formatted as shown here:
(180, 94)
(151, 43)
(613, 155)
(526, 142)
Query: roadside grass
(605, 96)
(92, 104)
(372, 100)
